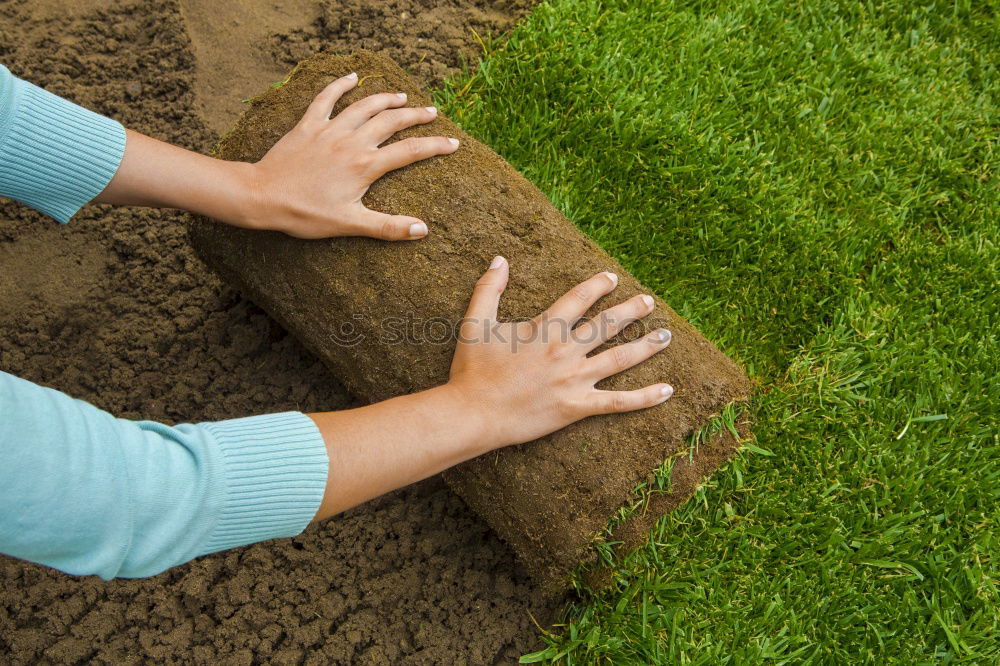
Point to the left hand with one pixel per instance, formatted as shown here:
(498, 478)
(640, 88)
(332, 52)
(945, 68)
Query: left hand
(311, 182)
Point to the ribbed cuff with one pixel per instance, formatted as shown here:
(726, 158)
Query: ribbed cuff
(275, 470)
(55, 156)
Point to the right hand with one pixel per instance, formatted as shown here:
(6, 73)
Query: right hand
(528, 379)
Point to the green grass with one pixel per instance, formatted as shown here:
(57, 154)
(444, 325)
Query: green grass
(813, 185)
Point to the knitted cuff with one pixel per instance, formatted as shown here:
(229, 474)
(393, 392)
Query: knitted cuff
(275, 471)
(55, 156)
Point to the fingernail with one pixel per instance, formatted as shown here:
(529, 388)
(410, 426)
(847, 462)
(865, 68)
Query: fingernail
(418, 230)
(454, 142)
(647, 300)
(432, 109)
(496, 263)
(352, 75)
(613, 278)
(664, 336)
(666, 391)
(401, 95)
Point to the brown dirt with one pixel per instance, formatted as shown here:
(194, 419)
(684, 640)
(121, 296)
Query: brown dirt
(549, 498)
(243, 45)
(233, 56)
(115, 309)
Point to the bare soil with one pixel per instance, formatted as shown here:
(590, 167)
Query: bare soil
(115, 309)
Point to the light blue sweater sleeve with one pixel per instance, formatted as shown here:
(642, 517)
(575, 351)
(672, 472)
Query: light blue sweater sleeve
(55, 156)
(87, 493)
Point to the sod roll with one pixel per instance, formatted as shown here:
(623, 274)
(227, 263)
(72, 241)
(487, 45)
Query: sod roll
(379, 315)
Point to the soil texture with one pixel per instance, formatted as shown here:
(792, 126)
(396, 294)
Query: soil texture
(115, 309)
(241, 46)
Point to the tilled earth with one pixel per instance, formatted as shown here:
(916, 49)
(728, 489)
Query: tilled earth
(115, 309)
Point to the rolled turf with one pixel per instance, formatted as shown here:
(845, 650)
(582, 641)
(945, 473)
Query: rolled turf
(351, 300)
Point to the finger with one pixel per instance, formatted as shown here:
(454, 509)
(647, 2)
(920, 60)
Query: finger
(360, 112)
(575, 302)
(614, 402)
(322, 105)
(623, 357)
(373, 224)
(402, 153)
(609, 323)
(390, 121)
(486, 296)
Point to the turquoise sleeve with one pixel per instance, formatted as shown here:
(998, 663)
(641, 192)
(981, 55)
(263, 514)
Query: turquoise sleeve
(87, 493)
(55, 156)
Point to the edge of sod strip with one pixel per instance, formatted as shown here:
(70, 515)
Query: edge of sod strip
(666, 487)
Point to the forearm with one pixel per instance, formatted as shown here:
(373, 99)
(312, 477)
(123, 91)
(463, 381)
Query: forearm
(378, 448)
(159, 175)
(56, 156)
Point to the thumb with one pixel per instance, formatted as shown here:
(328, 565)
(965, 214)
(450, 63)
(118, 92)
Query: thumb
(387, 227)
(486, 296)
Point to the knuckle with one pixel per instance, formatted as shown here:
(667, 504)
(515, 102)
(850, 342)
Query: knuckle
(555, 353)
(580, 293)
(558, 332)
(570, 409)
(362, 161)
(387, 229)
(484, 283)
(609, 322)
(372, 102)
(387, 99)
(617, 402)
(413, 147)
(390, 119)
(620, 357)
(396, 117)
(304, 128)
(589, 333)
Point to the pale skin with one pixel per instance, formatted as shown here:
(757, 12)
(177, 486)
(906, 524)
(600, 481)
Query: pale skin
(310, 185)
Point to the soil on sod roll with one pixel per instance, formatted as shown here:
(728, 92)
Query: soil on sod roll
(115, 309)
(379, 314)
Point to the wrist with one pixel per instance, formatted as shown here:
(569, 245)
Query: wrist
(243, 203)
(219, 189)
(479, 423)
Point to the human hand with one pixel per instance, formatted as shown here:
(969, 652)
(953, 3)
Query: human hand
(311, 182)
(510, 383)
(534, 377)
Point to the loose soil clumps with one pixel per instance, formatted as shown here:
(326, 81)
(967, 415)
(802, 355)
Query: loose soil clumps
(549, 498)
(115, 308)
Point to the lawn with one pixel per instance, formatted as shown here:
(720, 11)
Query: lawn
(814, 186)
